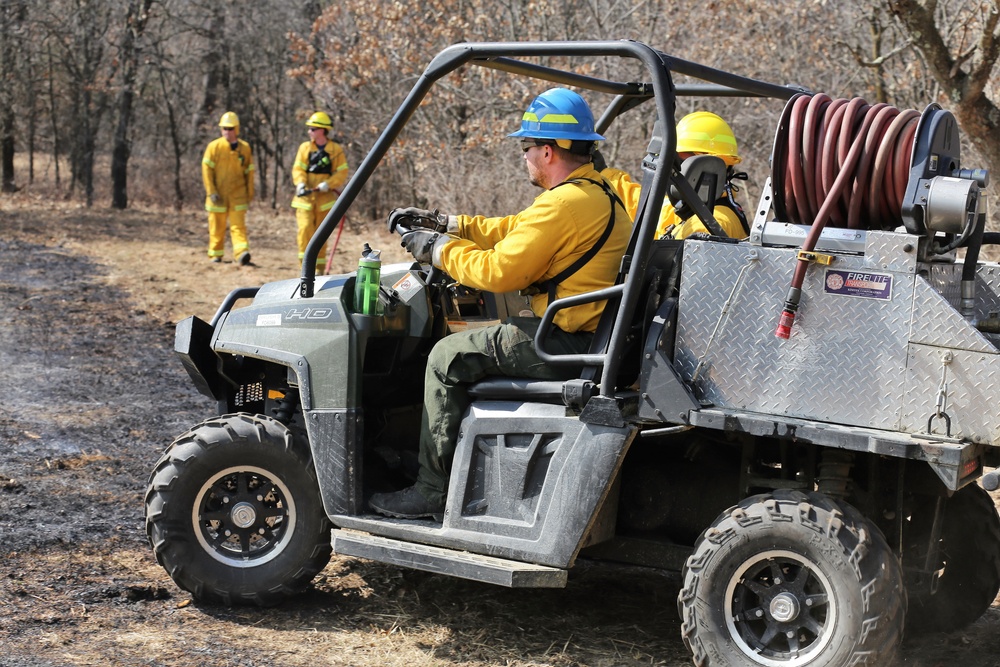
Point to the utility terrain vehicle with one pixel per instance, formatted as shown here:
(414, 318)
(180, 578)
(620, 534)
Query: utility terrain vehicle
(795, 421)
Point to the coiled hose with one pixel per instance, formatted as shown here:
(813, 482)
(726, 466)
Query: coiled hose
(840, 162)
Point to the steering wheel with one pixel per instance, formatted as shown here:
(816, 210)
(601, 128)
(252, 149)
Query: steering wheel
(434, 274)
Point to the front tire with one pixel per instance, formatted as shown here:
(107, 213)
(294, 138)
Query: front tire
(233, 512)
(788, 580)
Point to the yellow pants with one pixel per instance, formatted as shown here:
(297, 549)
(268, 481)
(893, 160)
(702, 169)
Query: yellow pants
(237, 230)
(308, 222)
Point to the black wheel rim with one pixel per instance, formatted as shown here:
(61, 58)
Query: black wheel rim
(244, 516)
(780, 609)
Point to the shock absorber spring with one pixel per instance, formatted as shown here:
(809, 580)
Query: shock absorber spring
(287, 405)
(834, 477)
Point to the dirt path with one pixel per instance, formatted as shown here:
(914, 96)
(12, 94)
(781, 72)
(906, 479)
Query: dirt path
(93, 394)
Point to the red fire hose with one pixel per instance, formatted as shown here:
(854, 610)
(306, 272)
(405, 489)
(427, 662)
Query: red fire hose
(843, 162)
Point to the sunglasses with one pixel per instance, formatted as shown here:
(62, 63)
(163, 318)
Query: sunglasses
(528, 144)
(227, 129)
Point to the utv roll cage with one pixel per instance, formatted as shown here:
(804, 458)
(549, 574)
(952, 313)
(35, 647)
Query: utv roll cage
(660, 169)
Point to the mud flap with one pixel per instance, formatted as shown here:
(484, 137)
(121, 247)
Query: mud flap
(193, 344)
(530, 479)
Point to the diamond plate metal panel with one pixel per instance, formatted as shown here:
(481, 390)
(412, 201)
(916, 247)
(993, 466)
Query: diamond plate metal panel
(844, 363)
(936, 322)
(946, 279)
(971, 380)
(890, 251)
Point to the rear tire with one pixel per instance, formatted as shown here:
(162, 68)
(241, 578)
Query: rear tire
(789, 580)
(233, 512)
(970, 557)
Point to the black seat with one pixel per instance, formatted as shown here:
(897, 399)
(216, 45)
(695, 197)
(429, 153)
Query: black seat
(659, 280)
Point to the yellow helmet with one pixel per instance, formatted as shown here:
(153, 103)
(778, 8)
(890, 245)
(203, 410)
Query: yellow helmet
(320, 119)
(705, 132)
(229, 119)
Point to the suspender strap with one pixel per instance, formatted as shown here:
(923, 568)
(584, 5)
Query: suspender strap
(730, 202)
(553, 282)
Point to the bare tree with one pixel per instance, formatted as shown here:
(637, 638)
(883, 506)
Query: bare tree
(960, 43)
(78, 32)
(136, 19)
(170, 86)
(12, 17)
(69, 64)
(215, 65)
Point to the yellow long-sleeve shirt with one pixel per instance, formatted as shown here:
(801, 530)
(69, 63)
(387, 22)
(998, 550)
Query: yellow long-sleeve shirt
(334, 172)
(629, 192)
(517, 251)
(228, 172)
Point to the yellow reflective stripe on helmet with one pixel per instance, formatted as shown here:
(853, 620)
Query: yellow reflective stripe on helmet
(208, 162)
(327, 206)
(531, 116)
(303, 205)
(715, 138)
(241, 207)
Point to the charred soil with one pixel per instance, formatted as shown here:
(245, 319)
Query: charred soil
(93, 394)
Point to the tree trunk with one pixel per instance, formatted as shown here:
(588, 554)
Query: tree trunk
(216, 70)
(7, 150)
(135, 24)
(53, 114)
(10, 17)
(120, 152)
(962, 79)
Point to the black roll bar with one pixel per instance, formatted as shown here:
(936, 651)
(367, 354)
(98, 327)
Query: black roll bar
(503, 56)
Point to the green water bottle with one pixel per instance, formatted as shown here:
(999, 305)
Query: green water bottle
(367, 282)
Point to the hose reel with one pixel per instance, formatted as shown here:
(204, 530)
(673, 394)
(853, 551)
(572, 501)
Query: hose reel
(847, 163)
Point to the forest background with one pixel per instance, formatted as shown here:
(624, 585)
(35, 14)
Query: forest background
(111, 102)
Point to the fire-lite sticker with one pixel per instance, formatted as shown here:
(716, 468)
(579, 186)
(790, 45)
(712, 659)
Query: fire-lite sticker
(858, 283)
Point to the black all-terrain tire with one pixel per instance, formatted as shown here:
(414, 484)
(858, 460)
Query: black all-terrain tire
(970, 551)
(788, 580)
(233, 512)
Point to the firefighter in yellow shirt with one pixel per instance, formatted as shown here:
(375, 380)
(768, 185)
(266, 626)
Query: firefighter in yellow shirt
(569, 241)
(320, 170)
(227, 172)
(698, 133)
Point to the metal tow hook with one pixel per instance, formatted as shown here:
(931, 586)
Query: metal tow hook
(942, 397)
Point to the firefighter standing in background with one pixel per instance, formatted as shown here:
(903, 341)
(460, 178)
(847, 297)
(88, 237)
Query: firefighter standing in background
(227, 170)
(320, 170)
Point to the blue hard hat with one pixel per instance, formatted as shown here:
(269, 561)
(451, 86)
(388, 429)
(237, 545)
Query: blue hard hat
(558, 113)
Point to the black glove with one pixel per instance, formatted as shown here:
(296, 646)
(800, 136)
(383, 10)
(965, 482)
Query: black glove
(599, 163)
(421, 243)
(699, 236)
(417, 218)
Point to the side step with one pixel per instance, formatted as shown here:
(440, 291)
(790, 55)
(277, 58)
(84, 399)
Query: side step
(510, 573)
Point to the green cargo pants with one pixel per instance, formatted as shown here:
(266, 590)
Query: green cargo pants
(458, 360)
